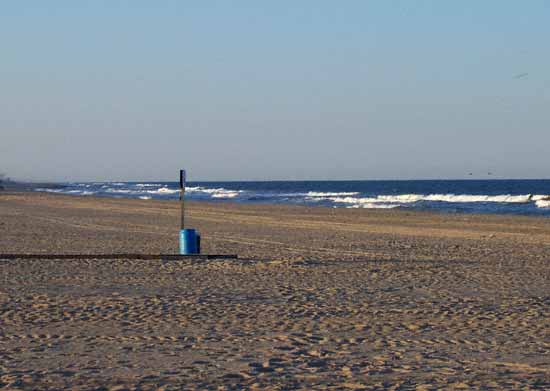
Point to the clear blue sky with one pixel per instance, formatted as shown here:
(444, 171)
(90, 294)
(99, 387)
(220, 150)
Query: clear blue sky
(232, 90)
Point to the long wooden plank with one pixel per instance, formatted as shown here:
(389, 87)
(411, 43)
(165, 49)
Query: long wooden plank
(119, 256)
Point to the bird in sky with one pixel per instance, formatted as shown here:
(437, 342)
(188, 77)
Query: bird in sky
(521, 75)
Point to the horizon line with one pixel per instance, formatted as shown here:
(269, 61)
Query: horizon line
(31, 182)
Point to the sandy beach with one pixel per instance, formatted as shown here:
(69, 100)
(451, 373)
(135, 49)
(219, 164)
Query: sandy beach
(319, 298)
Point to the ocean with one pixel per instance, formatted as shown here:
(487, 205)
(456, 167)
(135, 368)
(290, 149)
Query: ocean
(522, 197)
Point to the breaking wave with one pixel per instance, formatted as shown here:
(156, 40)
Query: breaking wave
(543, 203)
(214, 193)
(314, 194)
(162, 190)
(450, 198)
(292, 193)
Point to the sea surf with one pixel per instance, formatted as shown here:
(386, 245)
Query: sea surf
(523, 197)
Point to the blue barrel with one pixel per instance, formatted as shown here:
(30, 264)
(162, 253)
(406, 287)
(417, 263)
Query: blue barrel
(189, 242)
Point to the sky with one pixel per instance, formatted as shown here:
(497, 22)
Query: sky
(274, 90)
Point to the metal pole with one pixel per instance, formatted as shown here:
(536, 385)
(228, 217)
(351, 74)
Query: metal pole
(182, 198)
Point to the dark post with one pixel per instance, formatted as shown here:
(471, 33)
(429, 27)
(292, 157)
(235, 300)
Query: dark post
(182, 198)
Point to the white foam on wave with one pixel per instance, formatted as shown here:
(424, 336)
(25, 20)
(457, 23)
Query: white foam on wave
(147, 191)
(65, 191)
(451, 198)
(371, 205)
(226, 194)
(162, 190)
(148, 188)
(79, 192)
(315, 194)
(216, 193)
(50, 190)
(121, 191)
(543, 203)
(147, 185)
(505, 198)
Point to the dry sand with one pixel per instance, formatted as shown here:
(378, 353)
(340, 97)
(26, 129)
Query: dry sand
(320, 299)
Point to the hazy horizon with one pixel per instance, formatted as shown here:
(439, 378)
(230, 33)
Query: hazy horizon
(195, 180)
(130, 91)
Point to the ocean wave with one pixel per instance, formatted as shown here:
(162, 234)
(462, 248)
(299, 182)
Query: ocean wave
(228, 194)
(148, 185)
(121, 191)
(451, 198)
(216, 192)
(543, 203)
(163, 190)
(505, 198)
(315, 194)
(50, 190)
(79, 192)
(66, 191)
(496, 202)
(372, 205)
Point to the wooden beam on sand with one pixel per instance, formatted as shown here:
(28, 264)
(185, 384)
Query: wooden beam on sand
(144, 257)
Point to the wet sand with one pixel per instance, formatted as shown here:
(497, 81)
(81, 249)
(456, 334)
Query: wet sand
(319, 299)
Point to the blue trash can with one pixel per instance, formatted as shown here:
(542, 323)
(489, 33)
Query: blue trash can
(189, 242)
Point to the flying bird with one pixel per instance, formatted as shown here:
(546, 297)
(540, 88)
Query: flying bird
(521, 75)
